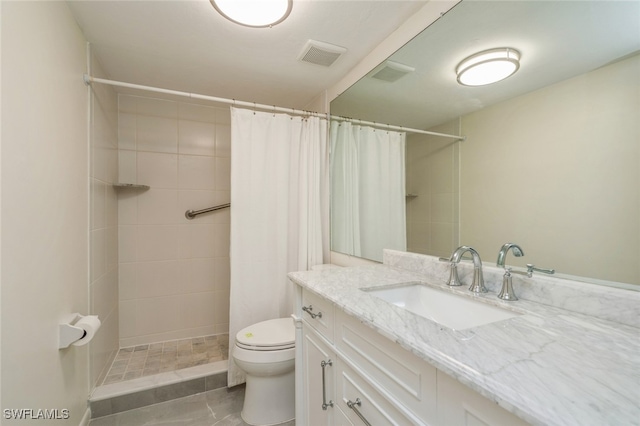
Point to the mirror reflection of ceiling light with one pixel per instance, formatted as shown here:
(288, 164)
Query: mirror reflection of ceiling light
(254, 13)
(488, 66)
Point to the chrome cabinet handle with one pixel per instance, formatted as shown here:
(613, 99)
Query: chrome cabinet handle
(309, 310)
(325, 404)
(354, 406)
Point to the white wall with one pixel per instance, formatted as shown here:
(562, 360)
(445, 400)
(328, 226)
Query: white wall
(174, 272)
(0, 212)
(533, 165)
(103, 288)
(45, 206)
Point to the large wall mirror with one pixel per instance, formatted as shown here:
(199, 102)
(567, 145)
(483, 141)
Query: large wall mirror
(551, 159)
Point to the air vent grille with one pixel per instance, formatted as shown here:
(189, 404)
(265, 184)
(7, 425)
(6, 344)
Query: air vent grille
(320, 53)
(391, 71)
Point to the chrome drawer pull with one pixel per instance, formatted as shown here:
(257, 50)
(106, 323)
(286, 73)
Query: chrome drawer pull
(354, 406)
(325, 404)
(309, 311)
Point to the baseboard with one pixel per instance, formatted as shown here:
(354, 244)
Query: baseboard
(86, 418)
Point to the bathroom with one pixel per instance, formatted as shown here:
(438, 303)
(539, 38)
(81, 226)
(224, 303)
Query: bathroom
(90, 262)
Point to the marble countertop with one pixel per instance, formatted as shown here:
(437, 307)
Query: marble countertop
(548, 366)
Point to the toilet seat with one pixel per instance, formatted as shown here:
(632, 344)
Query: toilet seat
(271, 335)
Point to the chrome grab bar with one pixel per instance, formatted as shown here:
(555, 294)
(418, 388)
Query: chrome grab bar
(354, 406)
(309, 309)
(325, 404)
(190, 214)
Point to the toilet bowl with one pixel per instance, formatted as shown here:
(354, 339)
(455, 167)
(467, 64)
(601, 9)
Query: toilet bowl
(266, 353)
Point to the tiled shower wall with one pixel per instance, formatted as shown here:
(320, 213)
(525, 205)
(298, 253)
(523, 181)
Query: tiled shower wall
(173, 272)
(432, 185)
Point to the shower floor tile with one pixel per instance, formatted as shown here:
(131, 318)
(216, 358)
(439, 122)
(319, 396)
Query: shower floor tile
(145, 360)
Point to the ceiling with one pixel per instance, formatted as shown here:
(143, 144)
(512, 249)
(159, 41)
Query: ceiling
(186, 45)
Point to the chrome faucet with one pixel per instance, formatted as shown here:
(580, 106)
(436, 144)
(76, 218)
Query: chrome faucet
(477, 286)
(502, 256)
(506, 293)
(507, 288)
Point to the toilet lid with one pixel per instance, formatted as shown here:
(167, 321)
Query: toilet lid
(268, 335)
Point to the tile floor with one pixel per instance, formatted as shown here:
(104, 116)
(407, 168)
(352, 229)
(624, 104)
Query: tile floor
(220, 407)
(145, 360)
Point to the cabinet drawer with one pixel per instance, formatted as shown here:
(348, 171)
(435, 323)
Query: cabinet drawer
(319, 314)
(359, 400)
(392, 368)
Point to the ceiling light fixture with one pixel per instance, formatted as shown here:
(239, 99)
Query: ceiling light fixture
(254, 13)
(488, 66)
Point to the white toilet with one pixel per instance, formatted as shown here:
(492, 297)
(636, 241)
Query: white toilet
(266, 353)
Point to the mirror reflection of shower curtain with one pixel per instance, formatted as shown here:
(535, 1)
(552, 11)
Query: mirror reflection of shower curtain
(367, 190)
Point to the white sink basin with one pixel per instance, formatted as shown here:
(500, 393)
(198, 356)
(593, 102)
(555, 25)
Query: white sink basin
(451, 310)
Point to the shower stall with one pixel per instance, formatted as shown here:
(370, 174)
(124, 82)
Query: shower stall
(159, 280)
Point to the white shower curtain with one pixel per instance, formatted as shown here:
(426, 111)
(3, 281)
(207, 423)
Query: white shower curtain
(367, 190)
(279, 197)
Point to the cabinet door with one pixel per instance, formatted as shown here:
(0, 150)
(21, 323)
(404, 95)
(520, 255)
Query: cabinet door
(319, 378)
(461, 405)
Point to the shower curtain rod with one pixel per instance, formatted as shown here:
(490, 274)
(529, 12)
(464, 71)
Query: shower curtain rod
(90, 79)
(398, 128)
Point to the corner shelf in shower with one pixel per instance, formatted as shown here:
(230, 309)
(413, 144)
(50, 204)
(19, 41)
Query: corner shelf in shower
(131, 186)
(410, 196)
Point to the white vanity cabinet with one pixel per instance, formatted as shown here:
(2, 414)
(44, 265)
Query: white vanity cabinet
(366, 378)
(460, 405)
(351, 375)
(342, 419)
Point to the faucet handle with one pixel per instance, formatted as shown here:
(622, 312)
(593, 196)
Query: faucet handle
(531, 268)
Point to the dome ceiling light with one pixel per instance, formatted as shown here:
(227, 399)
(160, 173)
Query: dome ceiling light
(488, 66)
(254, 13)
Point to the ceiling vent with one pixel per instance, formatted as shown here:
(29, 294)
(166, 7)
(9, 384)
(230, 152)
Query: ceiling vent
(320, 53)
(391, 71)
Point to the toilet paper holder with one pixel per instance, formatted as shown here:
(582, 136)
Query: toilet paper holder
(75, 331)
